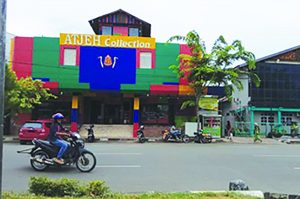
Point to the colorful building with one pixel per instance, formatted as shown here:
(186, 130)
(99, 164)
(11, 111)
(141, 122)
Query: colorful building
(118, 76)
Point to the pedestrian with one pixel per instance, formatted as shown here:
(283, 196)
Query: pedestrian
(294, 129)
(257, 133)
(228, 131)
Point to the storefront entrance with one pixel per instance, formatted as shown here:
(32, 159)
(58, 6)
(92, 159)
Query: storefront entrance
(108, 110)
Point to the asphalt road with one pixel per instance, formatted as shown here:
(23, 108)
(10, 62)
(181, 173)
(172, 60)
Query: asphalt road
(171, 167)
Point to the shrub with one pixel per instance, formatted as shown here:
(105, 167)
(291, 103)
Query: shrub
(97, 188)
(60, 187)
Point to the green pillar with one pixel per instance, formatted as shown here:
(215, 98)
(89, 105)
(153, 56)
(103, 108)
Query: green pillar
(279, 116)
(251, 121)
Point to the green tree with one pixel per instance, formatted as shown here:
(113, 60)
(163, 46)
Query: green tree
(203, 69)
(22, 95)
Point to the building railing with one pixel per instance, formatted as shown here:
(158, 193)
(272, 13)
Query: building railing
(267, 129)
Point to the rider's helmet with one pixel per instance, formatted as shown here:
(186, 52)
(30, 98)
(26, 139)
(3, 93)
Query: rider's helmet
(173, 128)
(142, 127)
(58, 116)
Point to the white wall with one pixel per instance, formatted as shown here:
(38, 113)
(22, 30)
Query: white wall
(8, 36)
(239, 99)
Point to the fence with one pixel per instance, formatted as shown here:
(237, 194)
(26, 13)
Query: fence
(242, 129)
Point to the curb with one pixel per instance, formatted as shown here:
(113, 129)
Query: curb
(258, 194)
(10, 140)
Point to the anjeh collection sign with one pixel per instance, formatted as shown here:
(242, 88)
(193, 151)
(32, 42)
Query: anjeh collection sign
(107, 41)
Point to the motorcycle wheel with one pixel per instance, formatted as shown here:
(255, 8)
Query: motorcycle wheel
(39, 155)
(86, 162)
(142, 140)
(166, 138)
(186, 139)
(90, 139)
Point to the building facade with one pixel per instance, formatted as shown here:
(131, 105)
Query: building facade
(275, 104)
(118, 76)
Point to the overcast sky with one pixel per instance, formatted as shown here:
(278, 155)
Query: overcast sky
(264, 26)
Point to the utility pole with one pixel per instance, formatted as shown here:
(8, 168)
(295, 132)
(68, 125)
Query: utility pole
(2, 80)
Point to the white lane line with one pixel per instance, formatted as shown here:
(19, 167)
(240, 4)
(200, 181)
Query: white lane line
(118, 166)
(278, 156)
(117, 153)
(297, 168)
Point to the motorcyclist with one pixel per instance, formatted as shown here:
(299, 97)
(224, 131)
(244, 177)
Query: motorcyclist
(175, 132)
(56, 130)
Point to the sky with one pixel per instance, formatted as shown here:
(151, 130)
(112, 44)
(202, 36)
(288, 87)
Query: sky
(264, 26)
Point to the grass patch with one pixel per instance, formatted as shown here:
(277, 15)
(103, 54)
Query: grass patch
(208, 195)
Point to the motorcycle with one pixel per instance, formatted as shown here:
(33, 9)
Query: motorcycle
(43, 152)
(91, 135)
(179, 136)
(201, 137)
(140, 135)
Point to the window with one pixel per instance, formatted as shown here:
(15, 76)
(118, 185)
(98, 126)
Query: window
(69, 57)
(32, 125)
(155, 114)
(133, 32)
(286, 119)
(106, 30)
(122, 18)
(263, 120)
(146, 60)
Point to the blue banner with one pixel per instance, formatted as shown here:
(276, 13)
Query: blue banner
(107, 68)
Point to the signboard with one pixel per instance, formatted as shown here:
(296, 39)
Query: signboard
(104, 68)
(208, 103)
(212, 124)
(106, 41)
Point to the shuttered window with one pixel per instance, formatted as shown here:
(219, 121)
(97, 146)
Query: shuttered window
(69, 57)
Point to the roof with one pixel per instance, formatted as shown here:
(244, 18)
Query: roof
(118, 11)
(40, 120)
(272, 55)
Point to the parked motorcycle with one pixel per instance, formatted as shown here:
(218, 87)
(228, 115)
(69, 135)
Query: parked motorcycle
(201, 137)
(179, 136)
(91, 135)
(140, 135)
(43, 152)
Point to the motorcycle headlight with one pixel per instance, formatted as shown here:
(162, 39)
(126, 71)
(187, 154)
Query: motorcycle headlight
(80, 143)
(77, 135)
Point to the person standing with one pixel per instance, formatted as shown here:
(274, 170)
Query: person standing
(228, 131)
(257, 133)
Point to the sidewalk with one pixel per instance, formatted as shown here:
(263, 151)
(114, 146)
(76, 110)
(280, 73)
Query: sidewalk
(10, 138)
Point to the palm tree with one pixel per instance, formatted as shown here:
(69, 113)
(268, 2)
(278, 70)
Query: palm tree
(202, 68)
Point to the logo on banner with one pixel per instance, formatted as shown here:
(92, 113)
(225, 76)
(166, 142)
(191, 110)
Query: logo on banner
(108, 61)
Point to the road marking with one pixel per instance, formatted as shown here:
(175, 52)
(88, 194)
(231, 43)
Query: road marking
(278, 156)
(118, 166)
(297, 168)
(118, 153)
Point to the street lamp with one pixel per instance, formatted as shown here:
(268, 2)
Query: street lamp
(2, 80)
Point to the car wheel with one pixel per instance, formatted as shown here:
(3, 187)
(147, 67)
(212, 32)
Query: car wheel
(22, 142)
